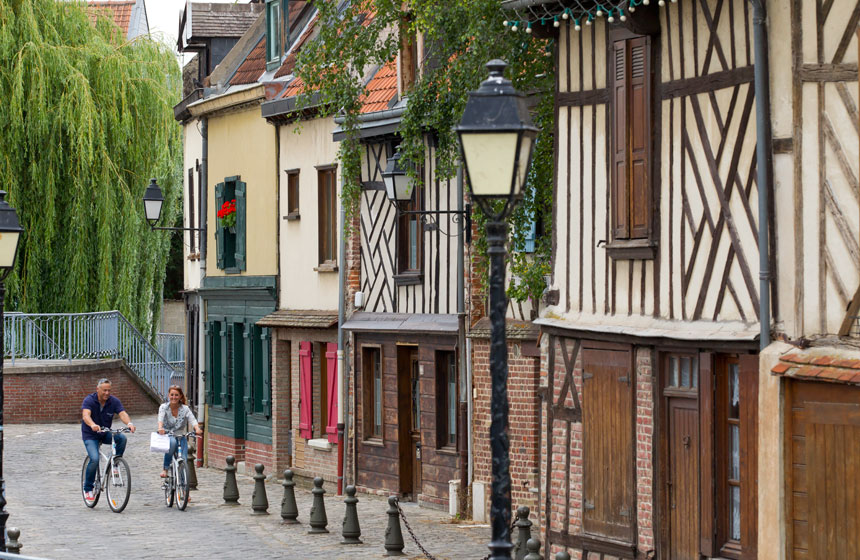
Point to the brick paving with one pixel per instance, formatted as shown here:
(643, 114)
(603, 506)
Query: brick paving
(42, 468)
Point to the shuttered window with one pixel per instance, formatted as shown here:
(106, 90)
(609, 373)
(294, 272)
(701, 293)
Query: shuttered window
(410, 236)
(331, 385)
(230, 242)
(371, 362)
(609, 498)
(305, 390)
(631, 138)
(293, 195)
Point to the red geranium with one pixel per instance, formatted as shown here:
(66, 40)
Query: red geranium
(227, 213)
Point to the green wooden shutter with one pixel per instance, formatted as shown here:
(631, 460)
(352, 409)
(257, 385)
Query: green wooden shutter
(266, 355)
(241, 205)
(225, 366)
(210, 362)
(219, 231)
(247, 367)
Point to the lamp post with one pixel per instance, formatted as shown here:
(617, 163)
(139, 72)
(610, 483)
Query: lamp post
(400, 187)
(496, 140)
(10, 235)
(153, 200)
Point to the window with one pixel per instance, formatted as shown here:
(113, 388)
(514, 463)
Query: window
(192, 235)
(327, 217)
(631, 137)
(410, 238)
(273, 33)
(318, 399)
(259, 376)
(292, 194)
(230, 241)
(446, 399)
(372, 376)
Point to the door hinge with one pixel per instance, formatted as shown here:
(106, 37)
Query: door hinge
(587, 505)
(624, 379)
(624, 511)
(586, 375)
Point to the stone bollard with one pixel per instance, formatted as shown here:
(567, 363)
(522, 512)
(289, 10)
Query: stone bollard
(318, 516)
(12, 544)
(259, 500)
(192, 470)
(534, 550)
(351, 530)
(524, 532)
(231, 490)
(562, 555)
(393, 536)
(289, 508)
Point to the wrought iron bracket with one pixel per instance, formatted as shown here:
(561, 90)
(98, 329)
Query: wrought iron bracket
(159, 228)
(433, 217)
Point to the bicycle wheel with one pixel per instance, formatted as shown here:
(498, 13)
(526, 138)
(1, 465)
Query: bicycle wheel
(181, 485)
(96, 485)
(168, 486)
(118, 485)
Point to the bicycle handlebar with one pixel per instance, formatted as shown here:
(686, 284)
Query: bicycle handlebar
(186, 435)
(103, 430)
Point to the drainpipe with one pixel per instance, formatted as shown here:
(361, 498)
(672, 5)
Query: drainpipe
(764, 156)
(465, 391)
(341, 311)
(201, 315)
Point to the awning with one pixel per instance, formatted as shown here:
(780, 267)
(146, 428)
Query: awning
(514, 329)
(400, 322)
(830, 364)
(299, 318)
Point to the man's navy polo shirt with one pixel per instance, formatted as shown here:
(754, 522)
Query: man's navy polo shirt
(101, 416)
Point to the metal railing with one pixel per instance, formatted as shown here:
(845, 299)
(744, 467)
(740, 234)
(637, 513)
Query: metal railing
(172, 347)
(90, 336)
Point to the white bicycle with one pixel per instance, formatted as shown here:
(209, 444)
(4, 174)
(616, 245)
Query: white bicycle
(117, 476)
(175, 486)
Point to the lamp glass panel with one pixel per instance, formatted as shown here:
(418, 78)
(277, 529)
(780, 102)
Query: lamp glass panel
(389, 186)
(153, 209)
(523, 163)
(8, 246)
(490, 160)
(403, 187)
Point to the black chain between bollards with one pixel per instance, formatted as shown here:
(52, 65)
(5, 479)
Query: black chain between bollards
(412, 534)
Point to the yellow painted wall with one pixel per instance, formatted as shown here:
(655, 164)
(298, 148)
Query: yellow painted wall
(302, 287)
(243, 143)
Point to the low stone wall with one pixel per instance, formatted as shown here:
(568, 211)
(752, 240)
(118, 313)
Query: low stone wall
(52, 391)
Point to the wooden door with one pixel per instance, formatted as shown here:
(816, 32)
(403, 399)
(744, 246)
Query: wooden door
(682, 488)
(823, 470)
(408, 422)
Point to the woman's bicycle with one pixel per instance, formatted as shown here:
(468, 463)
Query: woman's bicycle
(117, 476)
(175, 486)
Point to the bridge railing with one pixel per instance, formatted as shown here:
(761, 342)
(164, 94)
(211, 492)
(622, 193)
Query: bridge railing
(91, 336)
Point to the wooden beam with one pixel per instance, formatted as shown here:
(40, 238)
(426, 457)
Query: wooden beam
(710, 82)
(580, 98)
(843, 72)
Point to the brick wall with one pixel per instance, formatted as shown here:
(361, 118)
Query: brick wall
(48, 393)
(218, 447)
(566, 511)
(523, 421)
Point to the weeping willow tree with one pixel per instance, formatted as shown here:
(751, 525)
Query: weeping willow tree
(85, 119)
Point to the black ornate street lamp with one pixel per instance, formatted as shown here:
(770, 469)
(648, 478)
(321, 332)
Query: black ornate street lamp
(496, 139)
(10, 235)
(400, 187)
(153, 200)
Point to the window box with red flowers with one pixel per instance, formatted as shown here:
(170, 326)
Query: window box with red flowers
(227, 215)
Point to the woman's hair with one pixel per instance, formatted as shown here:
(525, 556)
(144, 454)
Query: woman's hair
(178, 389)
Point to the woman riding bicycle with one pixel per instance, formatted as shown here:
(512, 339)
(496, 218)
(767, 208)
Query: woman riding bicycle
(173, 416)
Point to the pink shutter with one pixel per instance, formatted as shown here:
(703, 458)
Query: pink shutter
(305, 390)
(331, 361)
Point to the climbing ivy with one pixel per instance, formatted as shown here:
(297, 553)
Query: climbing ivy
(359, 36)
(86, 119)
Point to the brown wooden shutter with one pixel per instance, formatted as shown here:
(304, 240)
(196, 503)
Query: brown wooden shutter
(707, 511)
(639, 138)
(620, 193)
(609, 504)
(748, 381)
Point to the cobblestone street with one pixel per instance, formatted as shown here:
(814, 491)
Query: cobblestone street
(42, 468)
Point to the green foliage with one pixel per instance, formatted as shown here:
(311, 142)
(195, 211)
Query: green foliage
(459, 40)
(86, 119)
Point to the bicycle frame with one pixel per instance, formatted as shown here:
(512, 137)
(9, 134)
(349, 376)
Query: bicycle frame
(108, 460)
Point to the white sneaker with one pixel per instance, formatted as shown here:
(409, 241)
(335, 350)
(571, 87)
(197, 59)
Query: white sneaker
(89, 497)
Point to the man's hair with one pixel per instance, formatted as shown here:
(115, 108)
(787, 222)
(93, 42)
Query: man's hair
(103, 381)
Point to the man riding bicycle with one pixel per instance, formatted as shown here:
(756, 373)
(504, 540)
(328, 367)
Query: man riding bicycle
(98, 410)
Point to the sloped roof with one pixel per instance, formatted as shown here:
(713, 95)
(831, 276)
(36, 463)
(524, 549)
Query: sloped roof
(290, 60)
(119, 10)
(828, 364)
(253, 66)
(223, 20)
(300, 319)
(381, 89)
(514, 328)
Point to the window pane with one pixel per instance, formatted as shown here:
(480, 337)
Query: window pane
(734, 445)
(377, 394)
(673, 371)
(452, 400)
(734, 396)
(274, 25)
(685, 372)
(413, 244)
(736, 514)
(695, 373)
(416, 398)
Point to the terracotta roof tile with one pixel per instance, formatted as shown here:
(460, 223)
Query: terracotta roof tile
(381, 89)
(820, 364)
(781, 367)
(253, 66)
(120, 11)
(296, 87)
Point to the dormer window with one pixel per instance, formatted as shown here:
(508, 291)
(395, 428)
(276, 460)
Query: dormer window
(273, 33)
